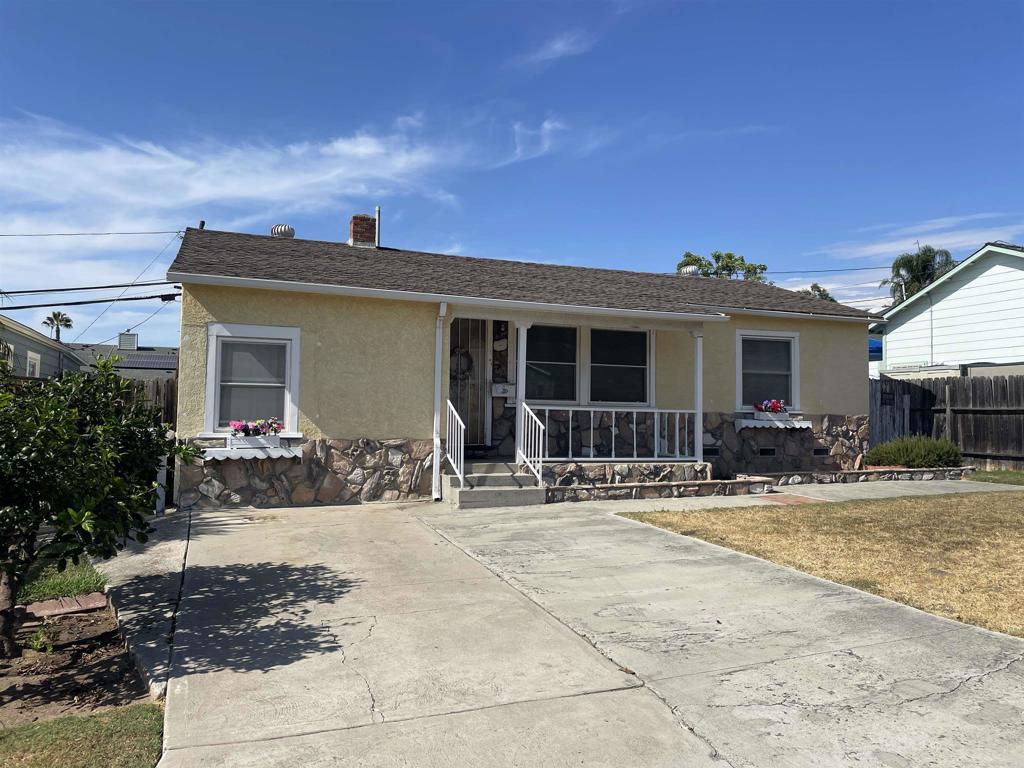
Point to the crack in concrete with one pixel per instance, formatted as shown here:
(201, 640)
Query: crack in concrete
(374, 711)
(676, 715)
(796, 704)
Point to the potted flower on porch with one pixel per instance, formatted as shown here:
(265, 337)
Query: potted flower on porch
(261, 433)
(771, 410)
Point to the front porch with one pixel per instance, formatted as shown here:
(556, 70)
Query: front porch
(547, 393)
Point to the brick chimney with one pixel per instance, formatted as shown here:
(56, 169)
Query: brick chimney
(362, 230)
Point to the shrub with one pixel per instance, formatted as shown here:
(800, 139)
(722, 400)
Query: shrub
(915, 452)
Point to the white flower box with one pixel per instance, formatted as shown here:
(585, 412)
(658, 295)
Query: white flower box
(768, 416)
(254, 441)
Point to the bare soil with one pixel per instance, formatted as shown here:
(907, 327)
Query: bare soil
(87, 671)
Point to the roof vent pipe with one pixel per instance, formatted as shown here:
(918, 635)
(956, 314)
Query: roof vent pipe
(377, 234)
(282, 230)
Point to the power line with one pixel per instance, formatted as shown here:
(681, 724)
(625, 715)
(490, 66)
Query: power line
(161, 296)
(86, 288)
(88, 234)
(136, 279)
(153, 314)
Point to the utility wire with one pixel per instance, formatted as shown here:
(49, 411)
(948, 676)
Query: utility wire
(136, 279)
(153, 314)
(161, 296)
(86, 288)
(88, 234)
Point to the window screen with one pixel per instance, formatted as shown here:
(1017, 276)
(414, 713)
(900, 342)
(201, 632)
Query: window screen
(767, 370)
(252, 381)
(550, 363)
(618, 366)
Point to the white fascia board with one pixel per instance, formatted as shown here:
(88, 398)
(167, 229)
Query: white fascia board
(954, 271)
(800, 315)
(381, 293)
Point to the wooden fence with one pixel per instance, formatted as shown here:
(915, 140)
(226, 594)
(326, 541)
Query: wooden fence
(984, 415)
(162, 393)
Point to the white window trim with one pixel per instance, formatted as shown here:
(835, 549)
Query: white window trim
(583, 369)
(257, 333)
(794, 350)
(34, 357)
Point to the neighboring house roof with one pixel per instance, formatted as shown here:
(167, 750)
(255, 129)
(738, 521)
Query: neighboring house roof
(229, 258)
(149, 358)
(40, 338)
(1006, 248)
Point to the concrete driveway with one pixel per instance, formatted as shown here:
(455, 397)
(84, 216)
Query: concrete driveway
(555, 636)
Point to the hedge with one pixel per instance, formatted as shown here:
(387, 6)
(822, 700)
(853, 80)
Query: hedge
(915, 452)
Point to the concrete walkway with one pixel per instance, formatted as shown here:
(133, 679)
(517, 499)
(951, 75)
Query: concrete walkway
(411, 635)
(769, 666)
(361, 637)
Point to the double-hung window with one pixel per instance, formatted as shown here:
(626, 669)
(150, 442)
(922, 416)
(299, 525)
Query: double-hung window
(618, 366)
(767, 368)
(551, 363)
(33, 364)
(252, 373)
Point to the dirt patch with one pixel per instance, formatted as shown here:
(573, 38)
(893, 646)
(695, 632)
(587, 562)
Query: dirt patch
(87, 670)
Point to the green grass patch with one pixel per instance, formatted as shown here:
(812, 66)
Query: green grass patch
(126, 737)
(45, 582)
(1008, 477)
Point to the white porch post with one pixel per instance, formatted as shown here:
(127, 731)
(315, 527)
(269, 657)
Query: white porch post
(698, 396)
(521, 329)
(442, 313)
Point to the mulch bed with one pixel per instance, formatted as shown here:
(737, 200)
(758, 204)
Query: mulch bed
(87, 670)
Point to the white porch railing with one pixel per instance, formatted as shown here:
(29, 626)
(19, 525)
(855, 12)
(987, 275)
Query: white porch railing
(530, 445)
(592, 432)
(455, 443)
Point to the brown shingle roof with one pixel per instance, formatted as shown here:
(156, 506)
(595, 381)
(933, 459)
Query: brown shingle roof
(230, 254)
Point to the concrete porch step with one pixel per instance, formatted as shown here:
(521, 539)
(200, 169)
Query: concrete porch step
(476, 498)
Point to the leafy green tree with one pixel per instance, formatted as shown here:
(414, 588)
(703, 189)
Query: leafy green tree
(818, 292)
(56, 321)
(79, 457)
(728, 264)
(911, 272)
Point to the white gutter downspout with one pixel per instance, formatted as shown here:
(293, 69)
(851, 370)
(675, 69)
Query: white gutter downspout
(442, 313)
(698, 396)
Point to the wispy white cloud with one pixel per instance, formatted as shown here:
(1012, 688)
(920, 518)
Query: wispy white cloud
(954, 233)
(529, 143)
(563, 45)
(56, 178)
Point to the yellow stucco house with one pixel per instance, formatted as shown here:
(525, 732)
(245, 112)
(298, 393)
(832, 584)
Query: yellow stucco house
(398, 374)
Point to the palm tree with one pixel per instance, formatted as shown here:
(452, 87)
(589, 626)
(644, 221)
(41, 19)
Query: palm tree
(913, 271)
(56, 321)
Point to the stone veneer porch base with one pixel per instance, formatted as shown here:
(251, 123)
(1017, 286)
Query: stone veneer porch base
(864, 475)
(326, 472)
(656, 490)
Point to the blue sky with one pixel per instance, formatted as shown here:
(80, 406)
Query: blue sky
(808, 136)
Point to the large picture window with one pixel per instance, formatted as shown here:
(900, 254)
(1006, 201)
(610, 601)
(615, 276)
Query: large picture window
(252, 380)
(551, 363)
(618, 366)
(252, 372)
(766, 369)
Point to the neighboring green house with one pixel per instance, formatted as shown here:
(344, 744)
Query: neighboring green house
(34, 354)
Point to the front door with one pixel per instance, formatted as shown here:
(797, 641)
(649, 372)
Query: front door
(469, 377)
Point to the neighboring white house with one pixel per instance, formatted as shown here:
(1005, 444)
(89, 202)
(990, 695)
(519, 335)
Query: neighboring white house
(968, 322)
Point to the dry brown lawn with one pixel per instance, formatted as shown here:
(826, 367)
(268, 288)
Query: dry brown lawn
(959, 556)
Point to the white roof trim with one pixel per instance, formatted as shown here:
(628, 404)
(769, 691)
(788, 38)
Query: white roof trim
(381, 293)
(955, 270)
